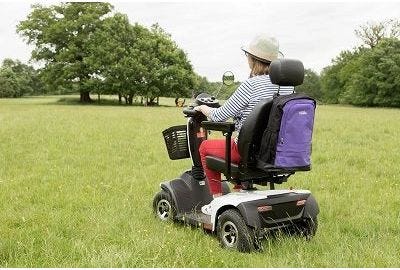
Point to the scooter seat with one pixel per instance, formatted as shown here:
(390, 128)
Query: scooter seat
(219, 165)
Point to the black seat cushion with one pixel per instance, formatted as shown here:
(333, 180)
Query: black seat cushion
(255, 175)
(219, 165)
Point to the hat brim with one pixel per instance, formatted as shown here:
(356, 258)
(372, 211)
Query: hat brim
(245, 49)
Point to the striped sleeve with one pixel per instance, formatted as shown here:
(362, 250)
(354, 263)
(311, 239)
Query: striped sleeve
(234, 105)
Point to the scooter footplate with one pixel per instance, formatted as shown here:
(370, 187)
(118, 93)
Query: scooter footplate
(195, 218)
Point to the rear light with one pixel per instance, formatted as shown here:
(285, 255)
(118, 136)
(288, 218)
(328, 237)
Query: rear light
(207, 226)
(264, 208)
(301, 203)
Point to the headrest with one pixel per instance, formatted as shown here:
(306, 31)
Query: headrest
(286, 72)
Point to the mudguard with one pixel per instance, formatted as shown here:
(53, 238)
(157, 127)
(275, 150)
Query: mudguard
(311, 209)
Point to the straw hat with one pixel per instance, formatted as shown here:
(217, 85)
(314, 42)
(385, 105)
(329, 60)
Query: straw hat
(263, 48)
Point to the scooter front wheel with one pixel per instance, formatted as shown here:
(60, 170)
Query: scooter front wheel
(233, 232)
(163, 206)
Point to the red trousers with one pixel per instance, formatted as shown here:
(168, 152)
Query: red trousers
(216, 148)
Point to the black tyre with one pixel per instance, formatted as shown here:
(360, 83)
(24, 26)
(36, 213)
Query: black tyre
(233, 232)
(163, 206)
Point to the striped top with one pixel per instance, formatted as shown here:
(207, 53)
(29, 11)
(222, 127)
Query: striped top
(245, 98)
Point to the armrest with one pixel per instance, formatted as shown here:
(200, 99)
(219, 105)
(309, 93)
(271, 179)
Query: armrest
(227, 127)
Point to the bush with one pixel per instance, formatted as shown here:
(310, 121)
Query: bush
(17, 79)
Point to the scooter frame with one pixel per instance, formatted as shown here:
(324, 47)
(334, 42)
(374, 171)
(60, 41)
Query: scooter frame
(262, 211)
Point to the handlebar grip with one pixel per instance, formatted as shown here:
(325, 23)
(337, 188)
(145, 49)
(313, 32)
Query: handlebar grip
(190, 111)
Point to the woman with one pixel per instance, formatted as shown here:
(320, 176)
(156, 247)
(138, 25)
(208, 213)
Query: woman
(260, 53)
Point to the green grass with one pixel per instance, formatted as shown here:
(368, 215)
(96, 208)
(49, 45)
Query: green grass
(77, 183)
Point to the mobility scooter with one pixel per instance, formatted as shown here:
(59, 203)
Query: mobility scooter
(240, 219)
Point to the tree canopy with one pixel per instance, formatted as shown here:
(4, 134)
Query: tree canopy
(375, 78)
(311, 85)
(368, 75)
(18, 79)
(85, 47)
(60, 34)
(372, 33)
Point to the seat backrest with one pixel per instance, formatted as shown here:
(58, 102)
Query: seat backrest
(252, 130)
(283, 72)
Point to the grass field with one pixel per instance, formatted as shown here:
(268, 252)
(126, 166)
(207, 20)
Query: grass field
(77, 183)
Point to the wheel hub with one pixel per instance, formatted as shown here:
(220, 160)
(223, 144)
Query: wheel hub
(163, 209)
(229, 234)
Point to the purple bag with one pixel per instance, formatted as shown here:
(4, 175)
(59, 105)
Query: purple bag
(293, 147)
(286, 142)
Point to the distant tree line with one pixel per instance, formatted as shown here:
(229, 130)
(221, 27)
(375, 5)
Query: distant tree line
(217, 89)
(85, 48)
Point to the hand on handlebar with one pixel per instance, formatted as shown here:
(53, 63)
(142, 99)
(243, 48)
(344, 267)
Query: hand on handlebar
(197, 108)
(204, 109)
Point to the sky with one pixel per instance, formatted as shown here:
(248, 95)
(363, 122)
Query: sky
(213, 32)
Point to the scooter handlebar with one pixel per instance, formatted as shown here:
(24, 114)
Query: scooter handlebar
(190, 111)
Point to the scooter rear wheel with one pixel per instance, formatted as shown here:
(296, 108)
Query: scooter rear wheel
(163, 206)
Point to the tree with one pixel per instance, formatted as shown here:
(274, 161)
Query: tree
(218, 89)
(134, 60)
(365, 76)
(311, 84)
(60, 35)
(372, 33)
(376, 81)
(201, 85)
(113, 57)
(335, 76)
(18, 79)
(168, 71)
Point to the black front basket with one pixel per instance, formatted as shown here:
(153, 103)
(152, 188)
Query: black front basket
(176, 141)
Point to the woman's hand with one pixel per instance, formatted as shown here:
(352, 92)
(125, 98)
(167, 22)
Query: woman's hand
(204, 109)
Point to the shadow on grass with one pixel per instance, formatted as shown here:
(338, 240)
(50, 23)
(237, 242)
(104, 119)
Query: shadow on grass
(75, 101)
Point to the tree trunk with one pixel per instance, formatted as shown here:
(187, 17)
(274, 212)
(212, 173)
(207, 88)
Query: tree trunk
(98, 97)
(130, 99)
(151, 101)
(85, 97)
(119, 98)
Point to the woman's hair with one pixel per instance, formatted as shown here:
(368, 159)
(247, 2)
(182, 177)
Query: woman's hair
(258, 67)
